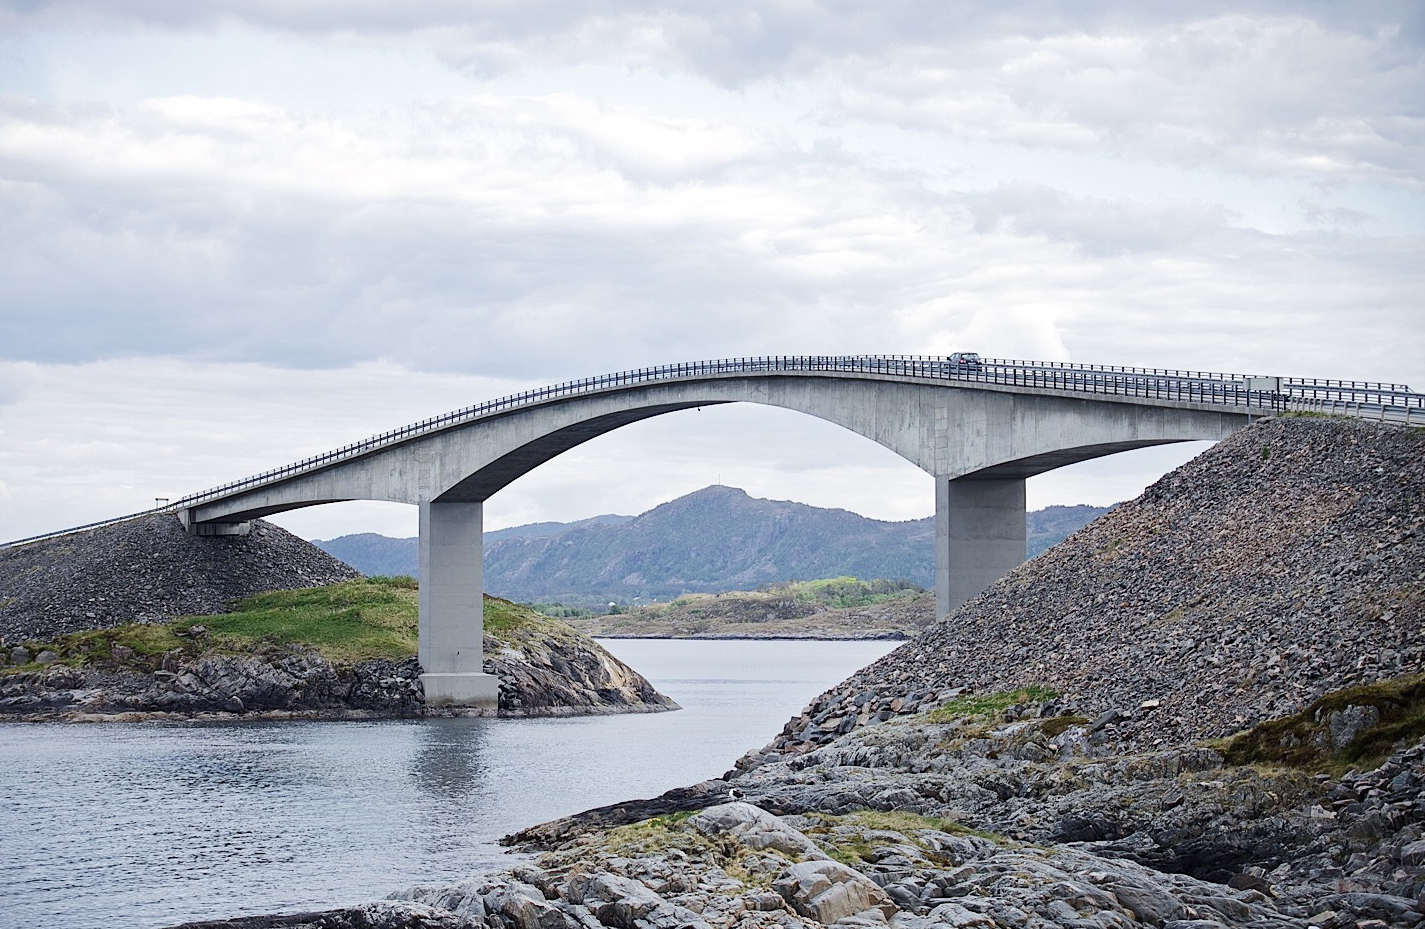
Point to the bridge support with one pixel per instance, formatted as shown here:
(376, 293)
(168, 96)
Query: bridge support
(979, 536)
(452, 609)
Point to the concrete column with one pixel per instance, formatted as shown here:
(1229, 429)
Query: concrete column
(979, 536)
(452, 606)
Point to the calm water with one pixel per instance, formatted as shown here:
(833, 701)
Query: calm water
(151, 824)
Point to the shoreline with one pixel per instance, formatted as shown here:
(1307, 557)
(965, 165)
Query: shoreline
(759, 638)
(353, 715)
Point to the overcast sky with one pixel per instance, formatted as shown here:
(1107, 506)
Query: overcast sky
(233, 234)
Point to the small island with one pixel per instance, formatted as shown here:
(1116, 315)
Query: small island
(333, 644)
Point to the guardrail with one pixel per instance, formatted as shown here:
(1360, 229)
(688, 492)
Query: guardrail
(1363, 399)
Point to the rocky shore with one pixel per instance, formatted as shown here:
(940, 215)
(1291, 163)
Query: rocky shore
(1053, 754)
(544, 667)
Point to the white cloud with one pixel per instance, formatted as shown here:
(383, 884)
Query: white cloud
(1263, 95)
(207, 210)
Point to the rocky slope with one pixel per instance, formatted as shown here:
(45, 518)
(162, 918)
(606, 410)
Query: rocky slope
(144, 570)
(1283, 563)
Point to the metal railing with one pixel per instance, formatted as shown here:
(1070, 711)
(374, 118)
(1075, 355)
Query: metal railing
(1388, 402)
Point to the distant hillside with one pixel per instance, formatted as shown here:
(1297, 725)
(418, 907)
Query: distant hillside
(712, 540)
(378, 555)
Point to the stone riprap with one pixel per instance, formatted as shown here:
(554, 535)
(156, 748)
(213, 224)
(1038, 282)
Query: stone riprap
(147, 570)
(1283, 563)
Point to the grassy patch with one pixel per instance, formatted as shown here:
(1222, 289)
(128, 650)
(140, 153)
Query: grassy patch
(1303, 740)
(845, 591)
(351, 621)
(977, 706)
(140, 645)
(503, 617)
(375, 617)
(826, 594)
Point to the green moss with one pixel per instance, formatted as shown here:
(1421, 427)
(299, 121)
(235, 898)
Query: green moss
(661, 834)
(136, 645)
(852, 847)
(1303, 740)
(1056, 725)
(853, 853)
(985, 705)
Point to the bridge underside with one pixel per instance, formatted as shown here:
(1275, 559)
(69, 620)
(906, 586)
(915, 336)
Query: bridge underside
(979, 444)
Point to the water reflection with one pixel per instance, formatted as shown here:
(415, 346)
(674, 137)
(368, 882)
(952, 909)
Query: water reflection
(449, 761)
(141, 825)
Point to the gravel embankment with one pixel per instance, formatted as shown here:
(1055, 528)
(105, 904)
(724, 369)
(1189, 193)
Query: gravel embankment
(1284, 563)
(146, 570)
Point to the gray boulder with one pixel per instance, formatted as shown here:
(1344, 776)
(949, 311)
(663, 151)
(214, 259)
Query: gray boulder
(755, 828)
(827, 891)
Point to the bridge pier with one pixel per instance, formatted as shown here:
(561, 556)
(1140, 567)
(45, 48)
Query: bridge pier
(452, 608)
(979, 535)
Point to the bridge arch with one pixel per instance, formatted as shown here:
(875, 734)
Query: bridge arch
(978, 439)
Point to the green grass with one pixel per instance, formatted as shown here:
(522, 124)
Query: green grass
(978, 706)
(504, 619)
(845, 591)
(828, 593)
(1301, 741)
(148, 643)
(351, 621)
(374, 617)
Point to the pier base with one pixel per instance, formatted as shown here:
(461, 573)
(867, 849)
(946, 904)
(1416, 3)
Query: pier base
(477, 691)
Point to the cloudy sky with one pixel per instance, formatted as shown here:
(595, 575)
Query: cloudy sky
(233, 234)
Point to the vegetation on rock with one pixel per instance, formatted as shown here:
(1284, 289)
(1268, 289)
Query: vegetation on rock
(989, 705)
(302, 649)
(1356, 727)
(839, 607)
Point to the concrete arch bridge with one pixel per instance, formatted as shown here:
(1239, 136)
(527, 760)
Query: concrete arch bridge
(979, 429)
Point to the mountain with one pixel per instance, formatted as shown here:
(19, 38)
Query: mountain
(712, 540)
